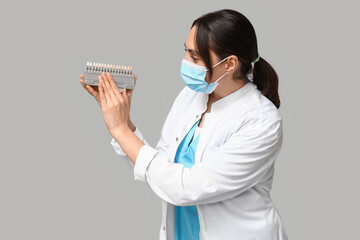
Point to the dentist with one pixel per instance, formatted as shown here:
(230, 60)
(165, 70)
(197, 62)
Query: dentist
(213, 165)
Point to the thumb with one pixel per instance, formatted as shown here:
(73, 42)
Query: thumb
(129, 97)
(135, 79)
(126, 97)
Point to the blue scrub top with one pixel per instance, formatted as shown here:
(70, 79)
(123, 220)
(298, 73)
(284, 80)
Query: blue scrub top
(187, 225)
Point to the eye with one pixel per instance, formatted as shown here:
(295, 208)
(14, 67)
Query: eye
(194, 58)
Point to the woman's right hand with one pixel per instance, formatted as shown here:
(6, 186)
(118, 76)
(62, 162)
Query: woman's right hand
(94, 91)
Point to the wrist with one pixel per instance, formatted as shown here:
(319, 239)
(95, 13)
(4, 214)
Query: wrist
(120, 131)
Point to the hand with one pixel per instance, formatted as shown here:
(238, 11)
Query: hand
(115, 105)
(92, 90)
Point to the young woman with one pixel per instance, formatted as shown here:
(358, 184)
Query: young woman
(213, 165)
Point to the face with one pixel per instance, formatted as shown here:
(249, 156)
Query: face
(192, 56)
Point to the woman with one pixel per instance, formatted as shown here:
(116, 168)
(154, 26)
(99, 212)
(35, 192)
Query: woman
(213, 165)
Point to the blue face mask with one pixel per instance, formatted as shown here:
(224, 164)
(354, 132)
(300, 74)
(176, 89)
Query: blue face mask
(194, 76)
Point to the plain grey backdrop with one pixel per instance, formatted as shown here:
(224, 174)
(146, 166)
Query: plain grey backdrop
(60, 177)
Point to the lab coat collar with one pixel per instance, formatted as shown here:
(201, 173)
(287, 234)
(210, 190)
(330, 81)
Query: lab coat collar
(225, 102)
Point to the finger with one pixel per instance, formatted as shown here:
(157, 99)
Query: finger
(91, 90)
(83, 83)
(129, 96)
(87, 87)
(105, 89)
(126, 98)
(111, 95)
(101, 91)
(114, 87)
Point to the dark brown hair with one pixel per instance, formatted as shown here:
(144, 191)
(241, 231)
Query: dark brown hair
(228, 32)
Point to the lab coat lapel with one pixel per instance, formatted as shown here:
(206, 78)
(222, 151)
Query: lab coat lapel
(189, 115)
(219, 109)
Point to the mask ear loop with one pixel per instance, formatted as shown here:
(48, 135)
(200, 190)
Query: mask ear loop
(220, 78)
(250, 76)
(224, 73)
(216, 82)
(218, 63)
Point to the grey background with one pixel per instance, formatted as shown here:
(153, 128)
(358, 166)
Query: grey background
(61, 179)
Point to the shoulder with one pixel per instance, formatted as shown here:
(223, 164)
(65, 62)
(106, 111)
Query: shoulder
(261, 112)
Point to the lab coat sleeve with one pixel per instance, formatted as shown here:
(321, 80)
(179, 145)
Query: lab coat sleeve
(223, 172)
(117, 148)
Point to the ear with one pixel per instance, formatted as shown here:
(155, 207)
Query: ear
(231, 64)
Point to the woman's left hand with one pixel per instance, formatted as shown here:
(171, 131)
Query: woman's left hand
(114, 104)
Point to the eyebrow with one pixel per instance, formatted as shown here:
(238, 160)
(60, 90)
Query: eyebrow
(190, 50)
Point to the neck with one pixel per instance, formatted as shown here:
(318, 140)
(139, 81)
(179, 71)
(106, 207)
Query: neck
(224, 90)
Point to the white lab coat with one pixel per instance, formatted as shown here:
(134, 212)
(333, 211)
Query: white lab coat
(234, 165)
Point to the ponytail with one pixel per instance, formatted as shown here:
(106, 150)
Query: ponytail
(266, 80)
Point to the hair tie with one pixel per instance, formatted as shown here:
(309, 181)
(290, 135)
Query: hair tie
(251, 75)
(257, 59)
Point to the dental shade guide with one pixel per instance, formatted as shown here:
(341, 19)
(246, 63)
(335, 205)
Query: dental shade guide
(123, 75)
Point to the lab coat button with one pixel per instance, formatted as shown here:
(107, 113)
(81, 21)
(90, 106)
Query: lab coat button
(197, 116)
(177, 138)
(164, 228)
